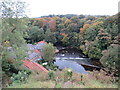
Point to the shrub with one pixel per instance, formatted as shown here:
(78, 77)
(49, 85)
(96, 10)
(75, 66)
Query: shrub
(52, 66)
(59, 76)
(51, 75)
(20, 77)
(68, 74)
(49, 66)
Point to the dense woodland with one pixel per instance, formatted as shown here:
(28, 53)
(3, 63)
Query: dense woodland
(97, 36)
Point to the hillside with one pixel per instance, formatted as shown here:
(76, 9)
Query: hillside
(30, 47)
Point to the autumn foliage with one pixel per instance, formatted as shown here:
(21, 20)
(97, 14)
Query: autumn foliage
(84, 28)
(52, 25)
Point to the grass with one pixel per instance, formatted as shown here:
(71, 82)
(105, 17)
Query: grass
(37, 84)
(98, 84)
(88, 81)
(51, 84)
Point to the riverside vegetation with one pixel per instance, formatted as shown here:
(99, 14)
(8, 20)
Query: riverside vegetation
(97, 36)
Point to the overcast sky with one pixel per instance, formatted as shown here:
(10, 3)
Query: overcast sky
(38, 8)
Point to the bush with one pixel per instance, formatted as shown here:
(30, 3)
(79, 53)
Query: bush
(20, 77)
(68, 74)
(52, 66)
(51, 75)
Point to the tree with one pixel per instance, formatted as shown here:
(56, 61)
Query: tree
(35, 34)
(61, 27)
(84, 28)
(50, 36)
(91, 50)
(91, 33)
(67, 22)
(11, 8)
(90, 18)
(13, 27)
(103, 39)
(74, 39)
(65, 39)
(113, 30)
(13, 32)
(72, 28)
(95, 52)
(75, 19)
(48, 52)
(81, 16)
(52, 25)
(110, 58)
(80, 24)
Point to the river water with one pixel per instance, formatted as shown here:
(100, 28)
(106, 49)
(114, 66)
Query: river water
(72, 58)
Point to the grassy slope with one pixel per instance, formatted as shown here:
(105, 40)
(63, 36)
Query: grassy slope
(51, 84)
(89, 81)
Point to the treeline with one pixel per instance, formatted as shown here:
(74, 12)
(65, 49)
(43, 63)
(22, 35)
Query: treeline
(96, 36)
(71, 15)
(61, 16)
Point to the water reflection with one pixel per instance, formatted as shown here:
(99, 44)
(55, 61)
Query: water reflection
(70, 64)
(71, 58)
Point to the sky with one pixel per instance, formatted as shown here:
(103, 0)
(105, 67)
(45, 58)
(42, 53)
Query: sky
(39, 8)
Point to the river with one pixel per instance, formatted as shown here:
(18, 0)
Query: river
(74, 59)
